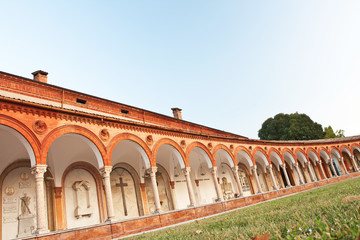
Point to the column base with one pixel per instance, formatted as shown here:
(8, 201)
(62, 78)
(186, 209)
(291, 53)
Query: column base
(157, 212)
(191, 205)
(41, 231)
(109, 220)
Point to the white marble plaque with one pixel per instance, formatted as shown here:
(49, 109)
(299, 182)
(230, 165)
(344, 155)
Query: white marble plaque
(10, 209)
(9, 219)
(8, 200)
(24, 184)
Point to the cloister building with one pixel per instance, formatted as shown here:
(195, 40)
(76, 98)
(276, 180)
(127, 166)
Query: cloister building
(74, 164)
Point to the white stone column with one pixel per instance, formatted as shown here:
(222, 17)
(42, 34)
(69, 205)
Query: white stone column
(343, 164)
(152, 171)
(269, 168)
(283, 166)
(310, 171)
(354, 163)
(253, 168)
(322, 169)
(105, 173)
(235, 170)
(296, 167)
(38, 171)
(217, 187)
(333, 165)
(186, 171)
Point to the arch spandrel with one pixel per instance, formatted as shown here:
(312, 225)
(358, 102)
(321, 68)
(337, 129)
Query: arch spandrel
(204, 148)
(180, 154)
(231, 159)
(144, 150)
(25, 135)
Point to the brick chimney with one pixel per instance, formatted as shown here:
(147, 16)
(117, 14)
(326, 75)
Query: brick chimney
(177, 113)
(40, 76)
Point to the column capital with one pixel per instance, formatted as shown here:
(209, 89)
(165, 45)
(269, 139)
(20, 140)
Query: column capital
(235, 169)
(186, 170)
(320, 161)
(151, 170)
(39, 170)
(269, 167)
(213, 170)
(308, 163)
(254, 167)
(283, 165)
(105, 171)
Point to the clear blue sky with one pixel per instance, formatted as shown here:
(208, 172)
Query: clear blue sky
(228, 64)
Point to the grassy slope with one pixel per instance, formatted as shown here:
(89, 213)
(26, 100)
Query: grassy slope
(323, 210)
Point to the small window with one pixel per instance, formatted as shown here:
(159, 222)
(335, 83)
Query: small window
(124, 111)
(82, 101)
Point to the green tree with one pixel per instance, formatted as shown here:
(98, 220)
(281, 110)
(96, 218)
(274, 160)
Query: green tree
(294, 126)
(329, 133)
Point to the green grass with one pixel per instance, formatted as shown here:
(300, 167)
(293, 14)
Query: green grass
(316, 214)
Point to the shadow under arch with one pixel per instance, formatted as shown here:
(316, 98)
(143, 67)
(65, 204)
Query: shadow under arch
(179, 153)
(139, 144)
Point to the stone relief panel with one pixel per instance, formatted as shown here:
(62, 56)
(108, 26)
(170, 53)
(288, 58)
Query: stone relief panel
(81, 199)
(39, 126)
(18, 204)
(123, 193)
(244, 181)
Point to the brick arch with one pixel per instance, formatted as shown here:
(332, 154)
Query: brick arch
(291, 152)
(57, 132)
(342, 147)
(168, 141)
(203, 147)
(312, 149)
(300, 150)
(272, 149)
(128, 136)
(222, 146)
(336, 149)
(263, 151)
(327, 151)
(352, 147)
(241, 148)
(26, 133)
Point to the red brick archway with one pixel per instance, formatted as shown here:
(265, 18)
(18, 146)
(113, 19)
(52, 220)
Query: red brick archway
(57, 132)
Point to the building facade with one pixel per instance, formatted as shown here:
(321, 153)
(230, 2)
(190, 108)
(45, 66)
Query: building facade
(73, 164)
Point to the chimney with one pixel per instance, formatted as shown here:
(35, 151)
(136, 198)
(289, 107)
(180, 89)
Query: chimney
(40, 76)
(177, 113)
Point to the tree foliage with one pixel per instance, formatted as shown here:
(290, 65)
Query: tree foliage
(294, 126)
(329, 133)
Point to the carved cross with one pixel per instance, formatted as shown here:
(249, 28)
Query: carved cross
(122, 185)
